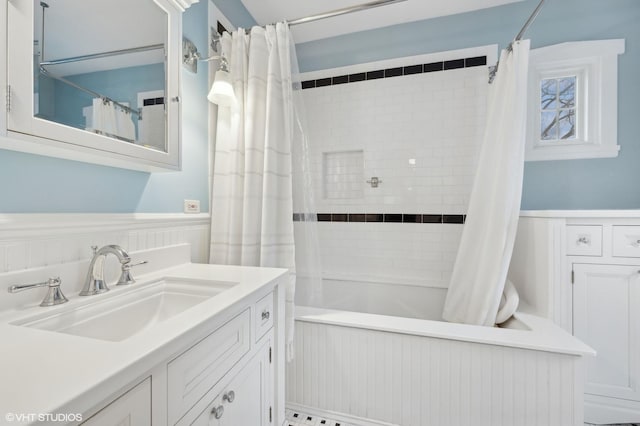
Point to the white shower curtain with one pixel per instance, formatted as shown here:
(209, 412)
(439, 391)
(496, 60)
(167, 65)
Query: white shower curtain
(251, 212)
(480, 271)
(111, 120)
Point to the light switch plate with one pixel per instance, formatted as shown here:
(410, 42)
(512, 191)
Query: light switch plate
(192, 206)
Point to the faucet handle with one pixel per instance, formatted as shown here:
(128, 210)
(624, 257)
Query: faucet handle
(125, 277)
(54, 294)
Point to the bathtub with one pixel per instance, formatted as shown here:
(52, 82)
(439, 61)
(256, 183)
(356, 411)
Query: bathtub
(372, 363)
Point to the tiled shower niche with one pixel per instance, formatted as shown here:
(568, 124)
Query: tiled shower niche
(343, 174)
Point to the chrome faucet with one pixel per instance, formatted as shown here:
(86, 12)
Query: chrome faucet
(54, 294)
(95, 283)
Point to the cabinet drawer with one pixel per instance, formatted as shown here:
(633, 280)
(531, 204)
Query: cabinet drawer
(626, 241)
(197, 370)
(584, 240)
(134, 408)
(263, 315)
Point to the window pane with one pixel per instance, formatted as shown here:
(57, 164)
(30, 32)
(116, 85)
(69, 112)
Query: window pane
(567, 124)
(549, 126)
(548, 94)
(567, 92)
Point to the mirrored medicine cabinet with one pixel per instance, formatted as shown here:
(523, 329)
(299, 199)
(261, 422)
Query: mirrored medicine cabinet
(95, 81)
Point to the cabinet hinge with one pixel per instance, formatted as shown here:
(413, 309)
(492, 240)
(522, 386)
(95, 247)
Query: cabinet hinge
(270, 415)
(573, 278)
(269, 354)
(8, 98)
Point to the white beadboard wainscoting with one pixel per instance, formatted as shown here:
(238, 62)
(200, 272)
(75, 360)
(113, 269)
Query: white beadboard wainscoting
(430, 373)
(30, 241)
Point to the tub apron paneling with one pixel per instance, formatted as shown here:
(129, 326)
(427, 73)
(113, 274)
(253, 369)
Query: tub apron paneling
(413, 380)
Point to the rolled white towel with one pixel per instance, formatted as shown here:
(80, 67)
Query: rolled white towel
(508, 303)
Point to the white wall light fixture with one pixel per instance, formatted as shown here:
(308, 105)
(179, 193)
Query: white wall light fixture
(221, 92)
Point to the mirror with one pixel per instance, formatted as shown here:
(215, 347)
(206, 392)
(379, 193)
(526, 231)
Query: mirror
(95, 59)
(100, 70)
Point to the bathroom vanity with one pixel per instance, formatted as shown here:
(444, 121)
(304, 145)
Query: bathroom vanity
(186, 344)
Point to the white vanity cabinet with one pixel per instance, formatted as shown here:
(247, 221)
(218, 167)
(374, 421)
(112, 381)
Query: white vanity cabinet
(202, 366)
(246, 400)
(582, 270)
(606, 315)
(226, 377)
(132, 408)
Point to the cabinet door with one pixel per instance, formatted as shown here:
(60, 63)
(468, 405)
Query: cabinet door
(252, 401)
(606, 316)
(131, 409)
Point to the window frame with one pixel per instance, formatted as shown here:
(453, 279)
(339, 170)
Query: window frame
(595, 64)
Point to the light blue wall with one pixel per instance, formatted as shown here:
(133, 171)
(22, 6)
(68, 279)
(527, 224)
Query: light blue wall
(36, 184)
(235, 12)
(570, 184)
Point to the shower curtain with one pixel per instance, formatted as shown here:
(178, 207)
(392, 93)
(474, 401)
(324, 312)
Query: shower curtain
(252, 210)
(479, 275)
(111, 120)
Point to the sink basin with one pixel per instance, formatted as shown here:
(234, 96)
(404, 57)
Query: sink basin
(123, 315)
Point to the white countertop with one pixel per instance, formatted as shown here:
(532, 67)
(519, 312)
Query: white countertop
(50, 372)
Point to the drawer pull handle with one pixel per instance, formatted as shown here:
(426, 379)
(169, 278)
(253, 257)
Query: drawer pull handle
(265, 315)
(218, 411)
(584, 240)
(229, 396)
(633, 240)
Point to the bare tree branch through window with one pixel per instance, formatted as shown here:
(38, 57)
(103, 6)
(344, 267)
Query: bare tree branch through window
(558, 109)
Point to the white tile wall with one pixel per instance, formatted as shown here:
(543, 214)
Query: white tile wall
(420, 134)
(419, 254)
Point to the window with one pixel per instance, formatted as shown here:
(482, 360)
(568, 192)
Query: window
(573, 101)
(558, 108)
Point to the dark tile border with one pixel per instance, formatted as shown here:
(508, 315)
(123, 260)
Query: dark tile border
(383, 217)
(357, 217)
(453, 218)
(454, 64)
(476, 61)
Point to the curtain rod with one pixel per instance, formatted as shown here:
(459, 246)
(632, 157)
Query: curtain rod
(103, 54)
(494, 70)
(329, 14)
(343, 11)
(44, 71)
(532, 18)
